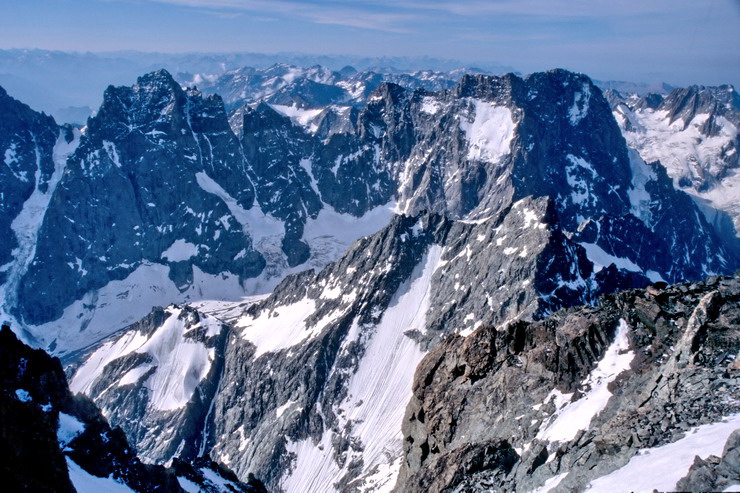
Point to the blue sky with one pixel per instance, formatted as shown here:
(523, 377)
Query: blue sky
(678, 41)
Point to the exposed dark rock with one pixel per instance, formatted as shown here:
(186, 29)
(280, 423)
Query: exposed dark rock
(43, 428)
(499, 384)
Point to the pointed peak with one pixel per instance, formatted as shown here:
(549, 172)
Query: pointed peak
(156, 79)
(388, 91)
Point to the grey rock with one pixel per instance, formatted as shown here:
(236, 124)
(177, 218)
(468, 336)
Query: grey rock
(497, 383)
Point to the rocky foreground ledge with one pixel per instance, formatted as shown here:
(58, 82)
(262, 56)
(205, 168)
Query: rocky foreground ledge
(51, 440)
(639, 392)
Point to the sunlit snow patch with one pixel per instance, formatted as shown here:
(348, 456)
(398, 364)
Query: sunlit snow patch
(571, 417)
(84, 482)
(303, 117)
(490, 133)
(660, 468)
(579, 109)
(551, 483)
(69, 428)
(180, 250)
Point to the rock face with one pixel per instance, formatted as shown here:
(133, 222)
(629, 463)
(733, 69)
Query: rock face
(167, 194)
(34, 152)
(519, 198)
(28, 140)
(570, 401)
(54, 441)
(304, 363)
(109, 217)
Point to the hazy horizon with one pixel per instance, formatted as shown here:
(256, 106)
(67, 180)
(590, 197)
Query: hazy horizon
(678, 42)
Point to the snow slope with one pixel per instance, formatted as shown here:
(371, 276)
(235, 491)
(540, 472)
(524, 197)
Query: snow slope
(377, 395)
(572, 417)
(84, 482)
(490, 132)
(179, 364)
(660, 468)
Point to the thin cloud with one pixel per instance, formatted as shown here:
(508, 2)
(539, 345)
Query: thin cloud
(221, 14)
(550, 8)
(378, 22)
(357, 15)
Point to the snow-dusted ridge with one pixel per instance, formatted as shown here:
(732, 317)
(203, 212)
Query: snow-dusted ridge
(175, 366)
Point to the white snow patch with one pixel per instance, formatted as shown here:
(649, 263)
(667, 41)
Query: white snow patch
(581, 188)
(279, 328)
(332, 233)
(490, 133)
(134, 375)
(551, 483)
(640, 198)
(112, 151)
(582, 163)
(188, 485)
(303, 117)
(217, 480)
(86, 374)
(84, 482)
(306, 165)
(281, 410)
(660, 468)
(258, 225)
(314, 469)
(179, 251)
(569, 419)
(654, 276)
(430, 106)
(579, 109)
(69, 428)
(601, 259)
(532, 220)
(180, 364)
(11, 156)
(23, 395)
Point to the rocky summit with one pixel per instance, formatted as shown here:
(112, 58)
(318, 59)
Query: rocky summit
(618, 397)
(337, 282)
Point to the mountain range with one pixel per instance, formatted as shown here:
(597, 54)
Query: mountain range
(263, 271)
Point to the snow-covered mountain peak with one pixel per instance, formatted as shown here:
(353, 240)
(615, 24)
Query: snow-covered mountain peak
(693, 133)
